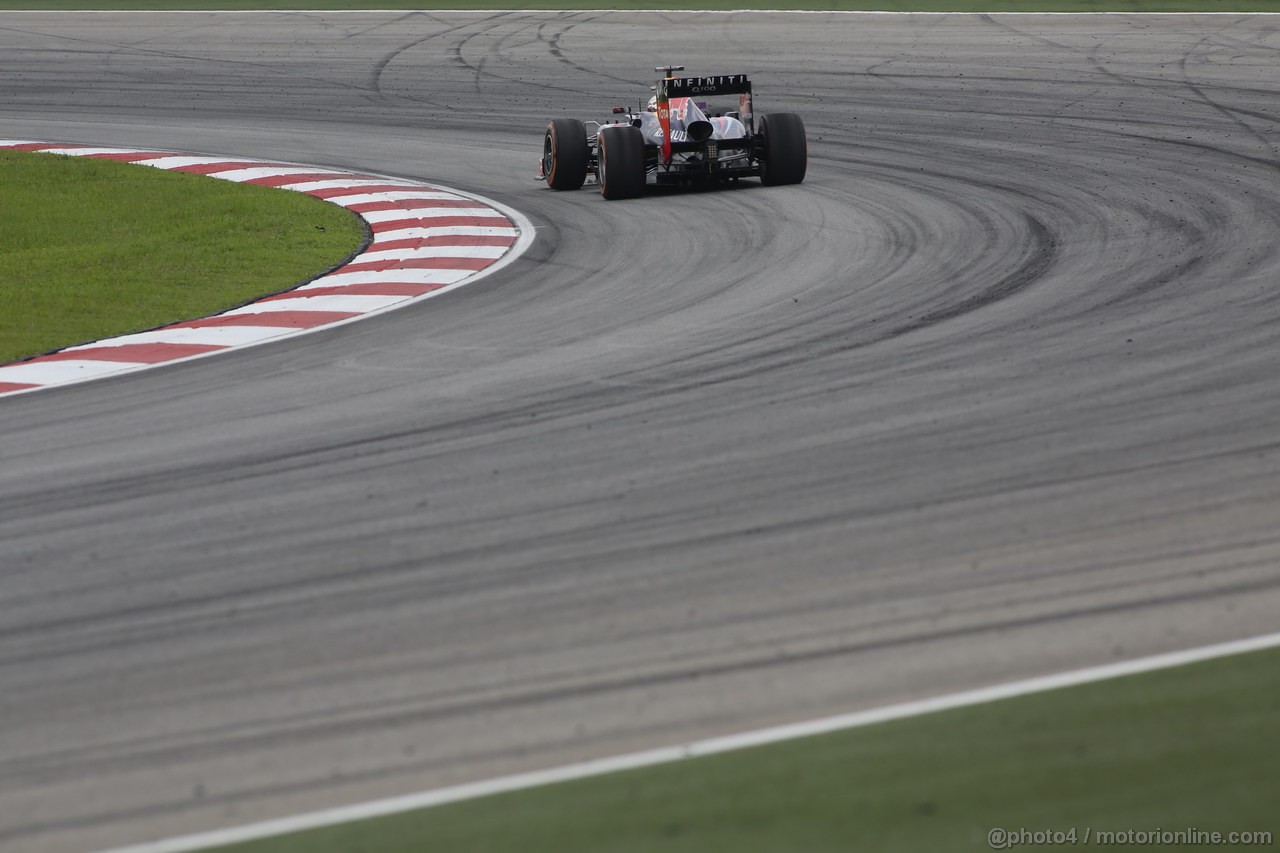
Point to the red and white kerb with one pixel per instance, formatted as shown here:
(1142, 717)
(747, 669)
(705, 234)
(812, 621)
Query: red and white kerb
(426, 240)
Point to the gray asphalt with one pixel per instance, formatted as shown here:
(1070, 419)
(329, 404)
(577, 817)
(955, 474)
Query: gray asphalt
(994, 393)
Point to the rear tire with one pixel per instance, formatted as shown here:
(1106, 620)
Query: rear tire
(785, 157)
(564, 154)
(620, 167)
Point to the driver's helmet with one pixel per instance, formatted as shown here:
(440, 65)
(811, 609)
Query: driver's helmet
(653, 105)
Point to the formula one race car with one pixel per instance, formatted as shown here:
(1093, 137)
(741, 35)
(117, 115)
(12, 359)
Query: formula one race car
(676, 139)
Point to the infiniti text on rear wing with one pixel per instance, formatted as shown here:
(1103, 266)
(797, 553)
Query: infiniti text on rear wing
(696, 87)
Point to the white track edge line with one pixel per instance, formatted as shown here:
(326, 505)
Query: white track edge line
(711, 746)
(590, 11)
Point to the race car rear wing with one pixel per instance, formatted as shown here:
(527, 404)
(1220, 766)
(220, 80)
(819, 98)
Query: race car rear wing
(721, 84)
(669, 88)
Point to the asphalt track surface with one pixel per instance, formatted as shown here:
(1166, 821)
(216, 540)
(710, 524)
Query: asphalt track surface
(994, 393)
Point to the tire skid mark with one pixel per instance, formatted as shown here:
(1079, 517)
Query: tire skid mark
(1044, 251)
(481, 71)
(380, 67)
(554, 48)
(1230, 114)
(421, 240)
(456, 52)
(1170, 88)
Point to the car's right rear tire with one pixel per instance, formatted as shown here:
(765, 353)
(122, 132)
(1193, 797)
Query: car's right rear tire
(785, 158)
(564, 154)
(620, 166)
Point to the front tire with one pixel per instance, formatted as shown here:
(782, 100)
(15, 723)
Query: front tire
(620, 166)
(564, 154)
(785, 157)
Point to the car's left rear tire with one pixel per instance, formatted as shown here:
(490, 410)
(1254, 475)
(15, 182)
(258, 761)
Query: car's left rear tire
(564, 154)
(620, 167)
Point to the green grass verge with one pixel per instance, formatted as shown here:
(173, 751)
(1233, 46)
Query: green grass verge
(843, 5)
(94, 248)
(1188, 747)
